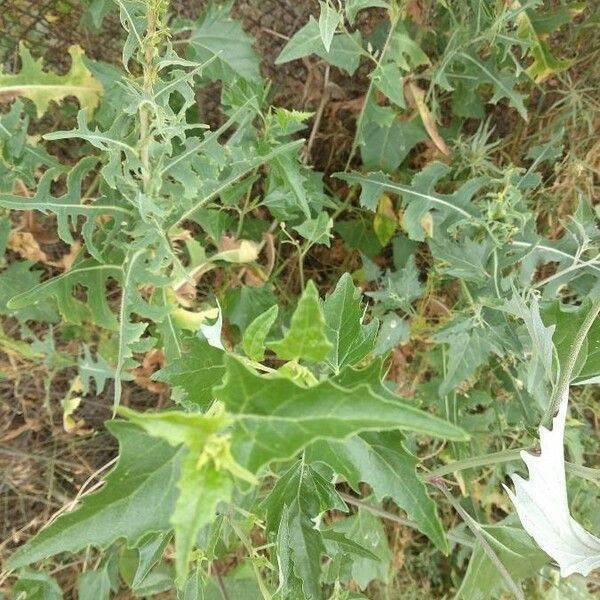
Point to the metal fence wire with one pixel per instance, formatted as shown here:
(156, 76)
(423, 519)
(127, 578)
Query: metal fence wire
(49, 27)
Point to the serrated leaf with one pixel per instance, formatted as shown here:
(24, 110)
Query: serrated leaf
(94, 369)
(217, 35)
(386, 147)
(540, 345)
(466, 259)
(138, 497)
(293, 508)
(256, 333)
(382, 461)
(306, 337)
(503, 82)
(88, 273)
(367, 531)
(68, 208)
(141, 267)
(467, 351)
(200, 492)
(42, 87)
(317, 230)
(543, 505)
(399, 289)
(344, 53)
(205, 471)
(343, 311)
(275, 418)
(544, 63)
(420, 197)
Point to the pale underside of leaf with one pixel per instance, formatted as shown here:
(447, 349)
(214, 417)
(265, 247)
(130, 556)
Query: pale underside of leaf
(542, 504)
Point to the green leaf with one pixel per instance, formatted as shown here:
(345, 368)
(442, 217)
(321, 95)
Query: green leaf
(503, 82)
(420, 197)
(388, 80)
(176, 427)
(143, 558)
(200, 492)
(306, 337)
(96, 369)
(69, 207)
(399, 289)
(315, 495)
(567, 321)
(317, 230)
(293, 177)
(381, 460)
(358, 235)
(34, 585)
(243, 304)
(18, 278)
(140, 268)
(466, 259)
(344, 53)
(206, 470)
(343, 311)
(469, 347)
(42, 87)
(367, 531)
(539, 347)
(87, 273)
(94, 585)
(217, 35)
(394, 331)
(293, 507)
(275, 418)
(256, 333)
(328, 22)
(353, 7)
(404, 51)
(517, 552)
(544, 64)
(386, 147)
(137, 498)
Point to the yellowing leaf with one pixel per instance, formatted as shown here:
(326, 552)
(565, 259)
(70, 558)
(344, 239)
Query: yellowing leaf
(385, 221)
(42, 87)
(544, 64)
(241, 251)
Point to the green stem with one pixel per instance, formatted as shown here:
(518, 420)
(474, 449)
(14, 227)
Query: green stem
(458, 539)
(562, 388)
(479, 533)
(361, 116)
(476, 461)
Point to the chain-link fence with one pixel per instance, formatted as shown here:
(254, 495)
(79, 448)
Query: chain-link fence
(49, 27)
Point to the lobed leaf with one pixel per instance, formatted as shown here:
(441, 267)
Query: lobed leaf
(137, 498)
(42, 87)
